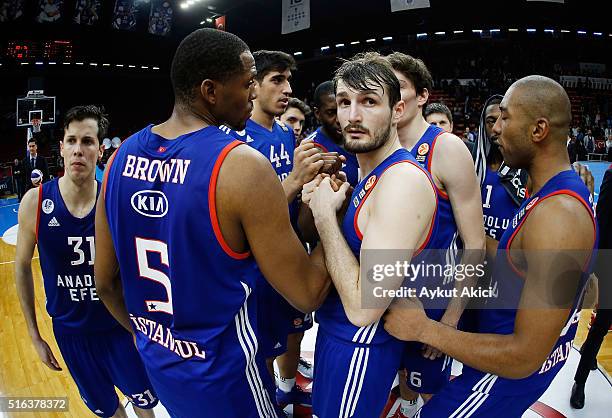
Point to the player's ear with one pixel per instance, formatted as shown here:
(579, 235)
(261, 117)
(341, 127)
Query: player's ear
(540, 130)
(100, 151)
(61, 143)
(423, 97)
(209, 91)
(398, 111)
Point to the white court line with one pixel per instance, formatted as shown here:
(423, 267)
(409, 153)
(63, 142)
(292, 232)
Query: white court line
(11, 262)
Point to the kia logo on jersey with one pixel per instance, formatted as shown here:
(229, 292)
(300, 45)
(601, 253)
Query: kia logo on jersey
(151, 203)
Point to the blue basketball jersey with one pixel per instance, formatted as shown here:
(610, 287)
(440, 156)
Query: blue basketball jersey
(331, 315)
(67, 250)
(276, 145)
(350, 166)
(187, 292)
(509, 282)
(498, 207)
(422, 151)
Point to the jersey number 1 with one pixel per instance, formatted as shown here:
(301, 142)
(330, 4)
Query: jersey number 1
(144, 246)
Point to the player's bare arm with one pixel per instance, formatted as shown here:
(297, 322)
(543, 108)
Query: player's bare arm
(461, 185)
(26, 241)
(106, 269)
(252, 211)
(523, 352)
(392, 207)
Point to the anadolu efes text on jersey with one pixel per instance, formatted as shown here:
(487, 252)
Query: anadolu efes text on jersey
(67, 252)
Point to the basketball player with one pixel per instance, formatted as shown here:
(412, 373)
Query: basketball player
(59, 218)
(329, 136)
(503, 188)
(438, 114)
(277, 319)
(294, 117)
(516, 353)
(393, 207)
(448, 161)
(205, 215)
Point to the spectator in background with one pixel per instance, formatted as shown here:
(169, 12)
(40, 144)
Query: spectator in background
(439, 115)
(467, 135)
(18, 178)
(589, 142)
(572, 149)
(609, 148)
(579, 135)
(295, 116)
(31, 162)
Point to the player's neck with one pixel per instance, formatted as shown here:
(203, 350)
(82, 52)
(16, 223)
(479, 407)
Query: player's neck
(412, 132)
(79, 197)
(183, 121)
(370, 160)
(262, 118)
(546, 166)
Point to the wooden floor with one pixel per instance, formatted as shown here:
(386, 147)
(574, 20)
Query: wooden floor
(23, 374)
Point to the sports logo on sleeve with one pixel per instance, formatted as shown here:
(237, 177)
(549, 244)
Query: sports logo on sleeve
(47, 206)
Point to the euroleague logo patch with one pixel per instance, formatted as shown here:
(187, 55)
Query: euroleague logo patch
(531, 204)
(423, 149)
(370, 183)
(422, 152)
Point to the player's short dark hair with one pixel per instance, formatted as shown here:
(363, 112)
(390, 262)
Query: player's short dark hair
(268, 61)
(32, 140)
(298, 104)
(205, 54)
(324, 89)
(495, 100)
(413, 69)
(367, 69)
(432, 108)
(80, 113)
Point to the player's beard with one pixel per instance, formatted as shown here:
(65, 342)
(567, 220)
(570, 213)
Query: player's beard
(377, 140)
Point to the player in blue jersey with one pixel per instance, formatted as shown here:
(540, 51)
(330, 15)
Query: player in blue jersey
(191, 215)
(294, 166)
(58, 216)
(524, 338)
(447, 159)
(329, 136)
(392, 208)
(294, 117)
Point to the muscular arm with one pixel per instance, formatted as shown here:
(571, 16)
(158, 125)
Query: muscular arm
(256, 202)
(538, 324)
(26, 241)
(398, 218)
(106, 269)
(461, 184)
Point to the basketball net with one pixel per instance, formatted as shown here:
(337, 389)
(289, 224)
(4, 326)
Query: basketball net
(36, 123)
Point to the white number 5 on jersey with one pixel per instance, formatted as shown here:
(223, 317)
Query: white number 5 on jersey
(144, 246)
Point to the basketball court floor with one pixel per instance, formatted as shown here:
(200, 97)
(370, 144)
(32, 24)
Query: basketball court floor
(23, 374)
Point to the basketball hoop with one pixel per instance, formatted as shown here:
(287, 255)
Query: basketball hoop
(36, 123)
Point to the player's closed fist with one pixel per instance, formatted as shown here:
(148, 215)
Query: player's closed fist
(307, 161)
